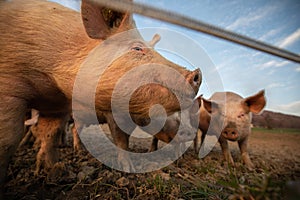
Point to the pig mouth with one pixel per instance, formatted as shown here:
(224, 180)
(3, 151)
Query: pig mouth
(233, 140)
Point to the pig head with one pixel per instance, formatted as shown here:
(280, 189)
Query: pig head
(228, 115)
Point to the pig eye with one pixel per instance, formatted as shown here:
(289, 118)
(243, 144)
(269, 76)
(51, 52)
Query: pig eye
(137, 48)
(241, 115)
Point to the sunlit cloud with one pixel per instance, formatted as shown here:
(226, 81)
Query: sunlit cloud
(251, 17)
(270, 34)
(273, 64)
(289, 40)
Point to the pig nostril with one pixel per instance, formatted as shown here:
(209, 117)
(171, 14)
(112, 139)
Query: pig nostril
(196, 78)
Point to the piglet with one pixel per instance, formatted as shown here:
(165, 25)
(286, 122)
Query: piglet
(181, 127)
(228, 115)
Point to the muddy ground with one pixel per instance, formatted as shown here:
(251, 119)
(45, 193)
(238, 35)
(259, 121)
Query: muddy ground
(275, 154)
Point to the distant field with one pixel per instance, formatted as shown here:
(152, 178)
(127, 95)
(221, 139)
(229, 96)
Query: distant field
(277, 130)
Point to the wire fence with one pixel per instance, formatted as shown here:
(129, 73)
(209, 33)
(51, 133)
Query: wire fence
(184, 21)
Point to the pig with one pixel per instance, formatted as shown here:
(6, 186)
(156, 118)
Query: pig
(171, 128)
(29, 123)
(228, 115)
(49, 137)
(34, 118)
(37, 129)
(43, 47)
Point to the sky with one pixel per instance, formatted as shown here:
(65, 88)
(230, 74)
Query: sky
(230, 66)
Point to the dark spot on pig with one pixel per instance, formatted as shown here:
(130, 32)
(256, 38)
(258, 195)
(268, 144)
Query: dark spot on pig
(196, 78)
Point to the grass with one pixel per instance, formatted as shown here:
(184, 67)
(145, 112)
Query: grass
(159, 185)
(277, 130)
(237, 184)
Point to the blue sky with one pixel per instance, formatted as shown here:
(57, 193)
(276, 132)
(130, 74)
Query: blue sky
(242, 70)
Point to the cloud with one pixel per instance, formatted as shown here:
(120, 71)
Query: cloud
(270, 34)
(289, 40)
(298, 69)
(292, 108)
(275, 85)
(250, 18)
(273, 63)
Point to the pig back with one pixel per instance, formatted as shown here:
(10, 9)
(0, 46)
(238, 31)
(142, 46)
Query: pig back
(39, 53)
(225, 97)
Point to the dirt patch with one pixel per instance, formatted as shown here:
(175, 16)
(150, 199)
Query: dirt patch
(80, 176)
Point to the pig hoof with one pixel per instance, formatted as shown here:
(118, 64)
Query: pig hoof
(79, 148)
(37, 171)
(250, 166)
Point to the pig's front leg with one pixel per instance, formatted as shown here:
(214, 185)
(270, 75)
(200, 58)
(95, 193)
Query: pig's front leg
(197, 143)
(49, 132)
(179, 149)
(154, 145)
(77, 144)
(243, 144)
(121, 140)
(12, 115)
(225, 149)
(27, 138)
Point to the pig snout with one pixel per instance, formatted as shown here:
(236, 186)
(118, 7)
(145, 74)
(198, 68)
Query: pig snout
(195, 79)
(230, 132)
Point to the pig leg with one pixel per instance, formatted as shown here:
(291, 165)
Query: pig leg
(121, 140)
(34, 118)
(27, 138)
(49, 133)
(203, 134)
(154, 145)
(77, 144)
(181, 147)
(225, 149)
(29, 123)
(196, 144)
(63, 131)
(12, 115)
(196, 141)
(62, 138)
(244, 152)
(36, 135)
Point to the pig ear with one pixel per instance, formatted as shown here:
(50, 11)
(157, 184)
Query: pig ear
(196, 105)
(155, 40)
(209, 105)
(256, 102)
(100, 22)
(199, 99)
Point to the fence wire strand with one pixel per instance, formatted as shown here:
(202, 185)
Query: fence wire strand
(184, 21)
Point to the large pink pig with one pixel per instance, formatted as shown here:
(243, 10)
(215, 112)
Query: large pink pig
(43, 45)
